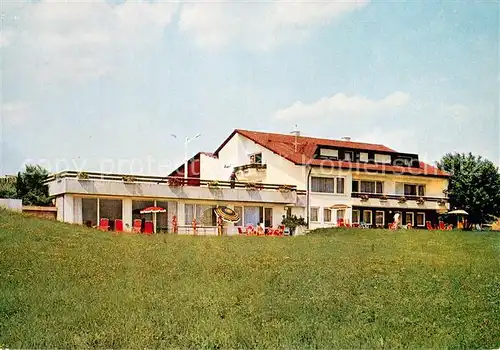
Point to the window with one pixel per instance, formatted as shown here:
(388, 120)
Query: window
(340, 214)
(256, 158)
(410, 190)
(204, 214)
(409, 219)
(314, 214)
(322, 184)
(355, 216)
(110, 208)
(330, 153)
(268, 217)
(327, 215)
(253, 215)
(348, 156)
(368, 186)
(363, 157)
(383, 158)
(340, 184)
(239, 210)
(367, 217)
(188, 214)
(89, 211)
(380, 218)
(420, 219)
(355, 186)
(421, 190)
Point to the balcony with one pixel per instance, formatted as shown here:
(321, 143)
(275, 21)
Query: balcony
(119, 185)
(254, 172)
(399, 201)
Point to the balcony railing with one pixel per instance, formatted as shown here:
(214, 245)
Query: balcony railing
(256, 166)
(398, 197)
(171, 181)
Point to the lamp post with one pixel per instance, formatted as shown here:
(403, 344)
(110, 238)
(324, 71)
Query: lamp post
(186, 142)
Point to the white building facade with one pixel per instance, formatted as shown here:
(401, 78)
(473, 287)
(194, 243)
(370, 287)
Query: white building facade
(264, 177)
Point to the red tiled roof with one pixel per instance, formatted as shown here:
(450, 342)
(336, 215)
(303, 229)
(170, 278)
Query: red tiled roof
(284, 145)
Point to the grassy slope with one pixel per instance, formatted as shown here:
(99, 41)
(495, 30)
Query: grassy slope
(65, 286)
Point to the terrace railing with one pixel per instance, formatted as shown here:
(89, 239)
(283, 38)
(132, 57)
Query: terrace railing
(398, 197)
(172, 181)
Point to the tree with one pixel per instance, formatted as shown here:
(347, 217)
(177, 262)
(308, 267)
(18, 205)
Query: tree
(30, 186)
(474, 185)
(8, 187)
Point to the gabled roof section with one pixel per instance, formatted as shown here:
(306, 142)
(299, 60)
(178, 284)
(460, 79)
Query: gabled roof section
(284, 145)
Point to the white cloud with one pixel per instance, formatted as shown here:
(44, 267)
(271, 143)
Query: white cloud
(340, 103)
(78, 40)
(14, 113)
(456, 111)
(259, 25)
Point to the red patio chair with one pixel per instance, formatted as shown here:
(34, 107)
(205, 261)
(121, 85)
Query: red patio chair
(429, 225)
(104, 224)
(250, 230)
(119, 225)
(340, 223)
(148, 227)
(240, 231)
(441, 225)
(137, 226)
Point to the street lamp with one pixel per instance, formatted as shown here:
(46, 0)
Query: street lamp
(186, 142)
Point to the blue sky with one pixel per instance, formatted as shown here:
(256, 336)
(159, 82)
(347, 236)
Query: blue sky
(103, 85)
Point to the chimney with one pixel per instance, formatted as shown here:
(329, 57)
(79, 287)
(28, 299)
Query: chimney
(296, 132)
(346, 138)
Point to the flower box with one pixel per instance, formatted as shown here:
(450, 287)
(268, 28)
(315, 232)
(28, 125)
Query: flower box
(213, 184)
(82, 176)
(402, 200)
(253, 186)
(285, 188)
(441, 202)
(421, 200)
(128, 178)
(383, 198)
(364, 198)
(174, 182)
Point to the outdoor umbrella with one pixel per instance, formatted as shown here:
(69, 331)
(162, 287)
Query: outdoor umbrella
(458, 212)
(153, 210)
(149, 210)
(227, 214)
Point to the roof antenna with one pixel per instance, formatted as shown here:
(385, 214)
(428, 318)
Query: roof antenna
(296, 132)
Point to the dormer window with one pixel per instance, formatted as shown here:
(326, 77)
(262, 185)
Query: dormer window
(382, 158)
(329, 153)
(348, 156)
(256, 158)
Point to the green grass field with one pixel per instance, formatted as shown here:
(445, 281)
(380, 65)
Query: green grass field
(67, 286)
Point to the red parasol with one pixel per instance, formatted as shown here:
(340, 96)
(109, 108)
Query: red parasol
(153, 210)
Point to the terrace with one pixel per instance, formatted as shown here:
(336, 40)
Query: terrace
(125, 185)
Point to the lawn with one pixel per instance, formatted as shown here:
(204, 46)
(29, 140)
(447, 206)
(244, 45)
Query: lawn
(67, 286)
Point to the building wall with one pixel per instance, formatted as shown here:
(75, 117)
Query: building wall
(74, 214)
(236, 152)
